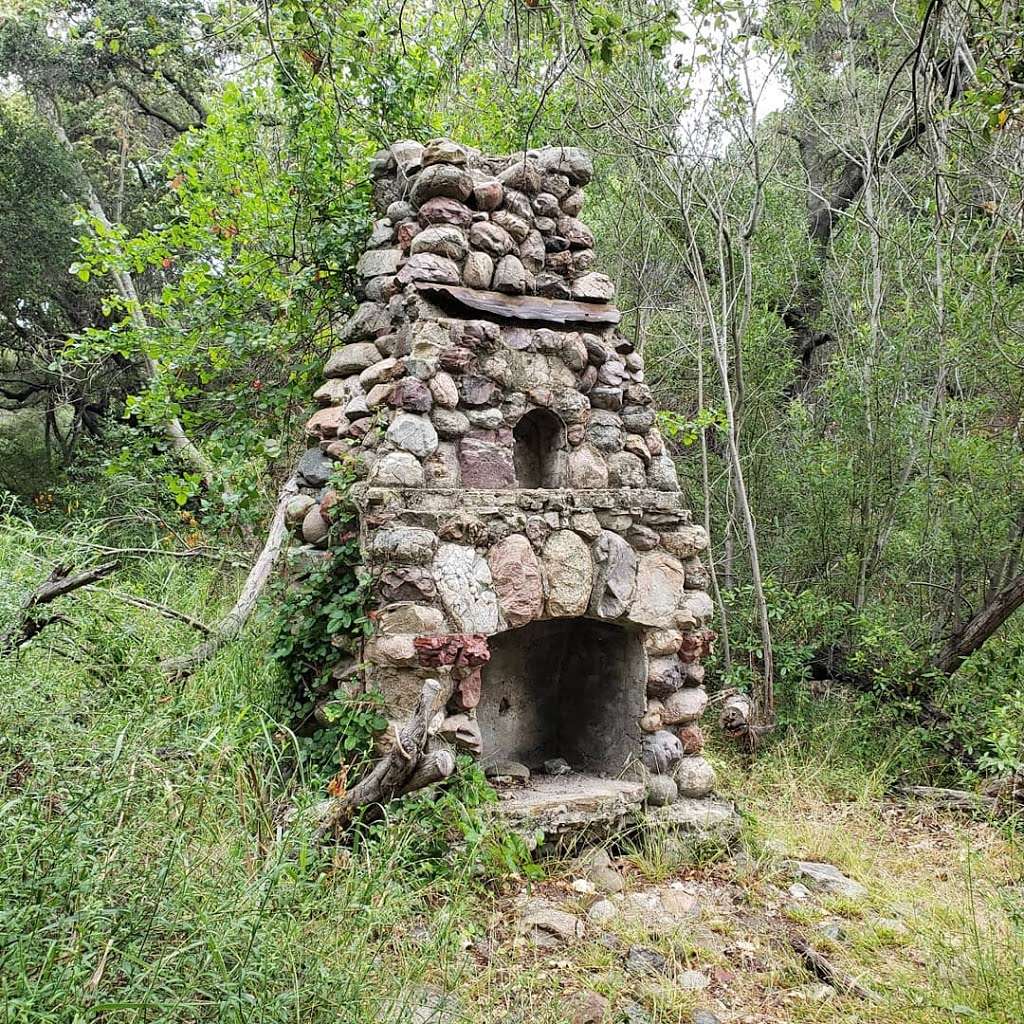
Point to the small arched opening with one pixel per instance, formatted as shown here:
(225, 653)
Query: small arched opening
(539, 450)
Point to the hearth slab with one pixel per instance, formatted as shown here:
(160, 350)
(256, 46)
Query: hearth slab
(570, 803)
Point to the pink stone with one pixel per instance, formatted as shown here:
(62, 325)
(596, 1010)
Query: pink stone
(485, 464)
(516, 573)
(327, 422)
(411, 394)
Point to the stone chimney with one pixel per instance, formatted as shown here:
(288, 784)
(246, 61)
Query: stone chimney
(519, 514)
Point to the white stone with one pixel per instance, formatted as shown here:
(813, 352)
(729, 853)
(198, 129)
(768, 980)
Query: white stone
(413, 433)
(464, 581)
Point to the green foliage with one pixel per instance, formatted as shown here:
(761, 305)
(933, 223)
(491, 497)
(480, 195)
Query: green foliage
(454, 819)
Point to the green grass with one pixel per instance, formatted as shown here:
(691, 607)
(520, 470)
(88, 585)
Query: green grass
(153, 868)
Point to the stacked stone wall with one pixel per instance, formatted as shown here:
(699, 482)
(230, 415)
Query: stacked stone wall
(487, 356)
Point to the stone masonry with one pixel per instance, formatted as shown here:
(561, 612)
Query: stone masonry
(519, 513)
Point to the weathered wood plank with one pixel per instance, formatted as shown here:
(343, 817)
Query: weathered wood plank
(524, 307)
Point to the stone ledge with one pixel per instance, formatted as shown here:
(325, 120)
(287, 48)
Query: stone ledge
(558, 805)
(430, 499)
(704, 816)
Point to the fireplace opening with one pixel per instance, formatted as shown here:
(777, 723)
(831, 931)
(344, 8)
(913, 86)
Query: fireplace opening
(539, 448)
(564, 688)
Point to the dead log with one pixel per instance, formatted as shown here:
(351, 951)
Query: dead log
(141, 602)
(60, 582)
(401, 770)
(950, 799)
(231, 625)
(434, 767)
(820, 966)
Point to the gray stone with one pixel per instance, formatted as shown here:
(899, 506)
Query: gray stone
(441, 180)
(382, 234)
(413, 433)
(399, 211)
(426, 266)
(486, 419)
(637, 419)
(661, 751)
(450, 423)
(641, 960)
(625, 470)
(352, 359)
(701, 1016)
(518, 228)
(605, 878)
(314, 468)
(663, 677)
(491, 239)
(557, 766)
(463, 733)
(531, 252)
(605, 431)
(397, 469)
(569, 573)
(443, 151)
(685, 542)
(692, 981)
(684, 705)
(547, 926)
(694, 777)
(593, 288)
(380, 372)
(602, 912)
(314, 528)
(379, 262)
(659, 590)
(522, 175)
(478, 271)
(404, 545)
(614, 576)
(661, 474)
(661, 790)
(442, 467)
(296, 509)
(356, 408)
(827, 877)
(419, 619)
(572, 163)
(466, 588)
(369, 321)
(445, 241)
(588, 1008)
(510, 276)
(508, 769)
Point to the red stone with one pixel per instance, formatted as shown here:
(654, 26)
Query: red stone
(410, 394)
(467, 690)
(444, 210)
(691, 738)
(467, 650)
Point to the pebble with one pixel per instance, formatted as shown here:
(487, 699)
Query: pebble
(641, 960)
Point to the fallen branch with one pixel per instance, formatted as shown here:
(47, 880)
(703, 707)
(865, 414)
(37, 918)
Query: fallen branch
(950, 799)
(401, 770)
(231, 625)
(142, 602)
(819, 965)
(60, 582)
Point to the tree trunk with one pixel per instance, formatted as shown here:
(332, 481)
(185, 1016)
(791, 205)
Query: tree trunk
(181, 444)
(973, 633)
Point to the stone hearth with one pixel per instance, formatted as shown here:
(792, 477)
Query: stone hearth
(518, 512)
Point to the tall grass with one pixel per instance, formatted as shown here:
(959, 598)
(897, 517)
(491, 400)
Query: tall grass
(145, 871)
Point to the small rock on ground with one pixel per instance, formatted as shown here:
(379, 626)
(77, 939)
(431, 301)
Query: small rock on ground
(641, 960)
(588, 1007)
(827, 877)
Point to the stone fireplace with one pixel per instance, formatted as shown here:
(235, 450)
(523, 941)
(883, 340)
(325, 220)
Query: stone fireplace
(518, 511)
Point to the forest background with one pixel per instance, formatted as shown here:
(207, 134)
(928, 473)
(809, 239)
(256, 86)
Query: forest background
(814, 214)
